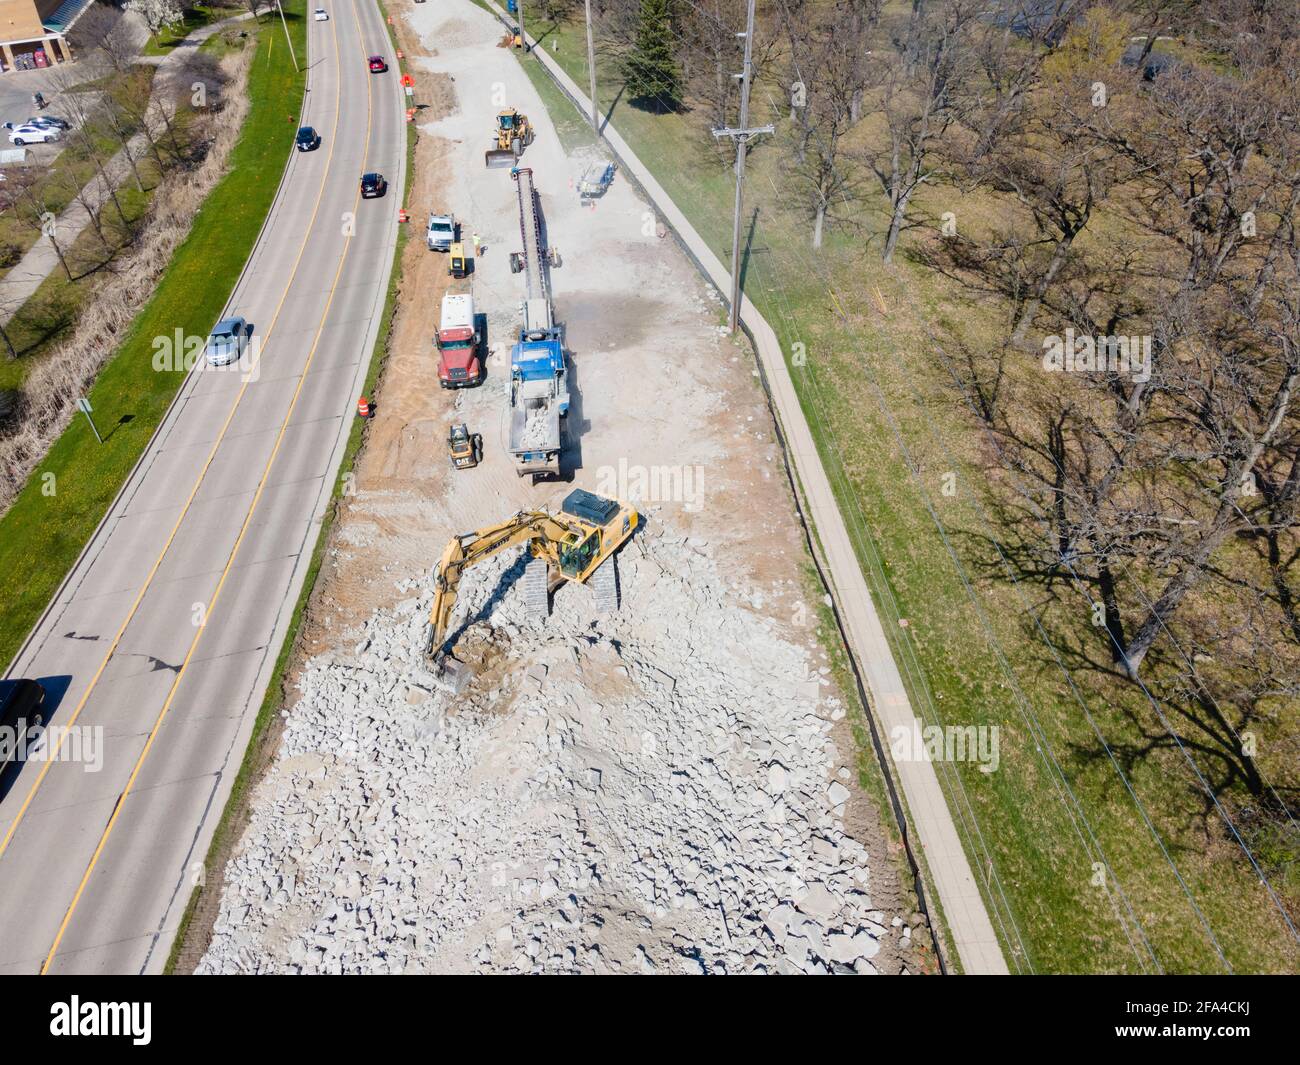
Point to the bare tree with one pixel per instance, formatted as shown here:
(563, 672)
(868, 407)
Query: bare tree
(38, 213)
(827, 86)
(102, 34)
(916, 94)
(1144, 472)
(1060, 166)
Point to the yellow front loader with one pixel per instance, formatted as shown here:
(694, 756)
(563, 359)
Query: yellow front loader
(572, 545)
(513, 134)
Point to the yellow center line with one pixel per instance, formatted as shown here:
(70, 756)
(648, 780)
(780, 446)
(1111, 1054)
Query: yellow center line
(212, 454)
(234, 551)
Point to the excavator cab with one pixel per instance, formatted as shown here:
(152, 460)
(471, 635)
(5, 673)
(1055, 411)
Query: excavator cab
(576, 558)
(596, 516)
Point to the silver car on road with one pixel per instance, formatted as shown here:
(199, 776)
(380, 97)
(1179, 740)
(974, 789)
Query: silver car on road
(226, 341)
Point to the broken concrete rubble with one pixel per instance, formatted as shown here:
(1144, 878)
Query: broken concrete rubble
(526, 826)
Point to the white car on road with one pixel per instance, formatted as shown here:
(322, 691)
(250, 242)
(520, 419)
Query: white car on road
(321, 15)
(227, 341)
(29, 134)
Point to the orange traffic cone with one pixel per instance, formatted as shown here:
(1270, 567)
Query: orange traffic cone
(363, 407)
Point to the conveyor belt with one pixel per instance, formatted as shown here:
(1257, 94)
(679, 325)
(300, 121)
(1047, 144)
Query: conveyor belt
(530, 231)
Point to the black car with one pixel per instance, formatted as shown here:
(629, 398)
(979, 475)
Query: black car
(308, 140)
(20, 704)
(373, 185)
(50, 122)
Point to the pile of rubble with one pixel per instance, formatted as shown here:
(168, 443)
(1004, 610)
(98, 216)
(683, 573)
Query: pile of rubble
(649, 790)
(537, 427)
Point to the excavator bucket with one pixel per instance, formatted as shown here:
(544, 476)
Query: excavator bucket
(495, 158)
(451, 674)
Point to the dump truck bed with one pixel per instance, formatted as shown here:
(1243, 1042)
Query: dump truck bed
(535, 429)
(535, 420)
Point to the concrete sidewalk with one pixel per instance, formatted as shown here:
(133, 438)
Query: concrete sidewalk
(41, 259)
(963, 907)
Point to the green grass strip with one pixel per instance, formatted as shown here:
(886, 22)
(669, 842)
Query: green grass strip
(69, 493)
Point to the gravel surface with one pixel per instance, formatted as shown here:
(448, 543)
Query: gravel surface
(610, 794)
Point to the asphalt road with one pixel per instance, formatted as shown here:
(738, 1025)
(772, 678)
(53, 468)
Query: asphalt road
(162, 641)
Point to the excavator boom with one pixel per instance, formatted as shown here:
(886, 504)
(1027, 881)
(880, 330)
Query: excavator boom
(573, 543)
(467, 549)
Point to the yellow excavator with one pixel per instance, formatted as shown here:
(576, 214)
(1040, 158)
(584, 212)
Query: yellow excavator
(573, 545)
(513, 134)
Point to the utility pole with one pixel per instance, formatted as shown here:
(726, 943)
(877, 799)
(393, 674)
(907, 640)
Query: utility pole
(292, 53)
(741, 135)
(591, 69)
(519, 10)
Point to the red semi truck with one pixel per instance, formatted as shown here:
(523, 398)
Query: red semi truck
(460, 356)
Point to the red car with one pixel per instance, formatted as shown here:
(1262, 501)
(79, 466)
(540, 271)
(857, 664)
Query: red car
(377, 64)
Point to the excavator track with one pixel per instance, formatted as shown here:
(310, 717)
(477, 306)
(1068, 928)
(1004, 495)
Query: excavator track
(537, 602)
(604, 585)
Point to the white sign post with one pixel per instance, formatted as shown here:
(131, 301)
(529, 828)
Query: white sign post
(83, 405)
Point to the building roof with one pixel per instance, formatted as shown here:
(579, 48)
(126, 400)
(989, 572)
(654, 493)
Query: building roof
(61, 19)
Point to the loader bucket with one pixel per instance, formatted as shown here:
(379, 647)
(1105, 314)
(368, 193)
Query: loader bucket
(496, 158)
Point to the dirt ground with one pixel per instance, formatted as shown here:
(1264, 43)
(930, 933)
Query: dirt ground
(637, 318)
(658, 391)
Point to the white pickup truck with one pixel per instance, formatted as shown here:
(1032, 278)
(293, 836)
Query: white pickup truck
(441, 234)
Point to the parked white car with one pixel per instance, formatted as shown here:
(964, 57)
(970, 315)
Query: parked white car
(441, 234)
(321, 15)
(29, 134)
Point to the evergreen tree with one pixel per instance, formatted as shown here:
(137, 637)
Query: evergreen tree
(650, 70)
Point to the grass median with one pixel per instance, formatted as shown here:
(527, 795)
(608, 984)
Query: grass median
(69, 493)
